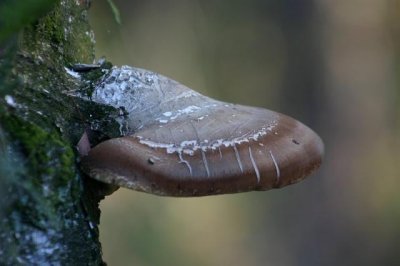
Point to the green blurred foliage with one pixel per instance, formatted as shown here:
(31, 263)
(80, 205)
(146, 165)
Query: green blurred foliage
(16, 14)
(115, 11)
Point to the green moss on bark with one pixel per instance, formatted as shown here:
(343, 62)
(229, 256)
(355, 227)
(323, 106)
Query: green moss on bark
(16, 14)
(48, 155)
(50, 214)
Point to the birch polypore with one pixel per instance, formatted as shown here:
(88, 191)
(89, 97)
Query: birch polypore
(177, 142)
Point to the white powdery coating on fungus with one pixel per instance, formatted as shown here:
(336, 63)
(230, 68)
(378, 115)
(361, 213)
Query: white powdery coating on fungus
(190, 146)
(169, 147)
(168, 114)
(147, 97)
(188, 110)
(187, 94)
(125, 87)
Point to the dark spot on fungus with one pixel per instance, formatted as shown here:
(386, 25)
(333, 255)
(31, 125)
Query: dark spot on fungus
(200, 150)
(295, 142)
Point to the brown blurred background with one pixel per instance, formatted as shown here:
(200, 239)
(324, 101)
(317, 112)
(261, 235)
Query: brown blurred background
(333, 65)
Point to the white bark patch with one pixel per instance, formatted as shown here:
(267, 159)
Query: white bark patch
(72, 73)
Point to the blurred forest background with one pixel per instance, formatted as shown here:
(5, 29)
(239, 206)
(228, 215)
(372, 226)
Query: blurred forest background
(333, 65)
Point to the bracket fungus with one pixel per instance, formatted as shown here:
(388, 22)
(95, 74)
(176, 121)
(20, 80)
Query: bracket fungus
(177, 142)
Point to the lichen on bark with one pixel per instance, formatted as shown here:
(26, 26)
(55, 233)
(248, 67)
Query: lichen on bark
(48, 213)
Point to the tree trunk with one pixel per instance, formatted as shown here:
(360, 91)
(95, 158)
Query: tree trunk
(48, 212)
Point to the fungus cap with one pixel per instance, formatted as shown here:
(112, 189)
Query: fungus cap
(177, 142)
